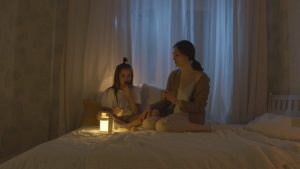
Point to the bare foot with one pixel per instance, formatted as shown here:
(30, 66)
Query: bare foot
(132, 124)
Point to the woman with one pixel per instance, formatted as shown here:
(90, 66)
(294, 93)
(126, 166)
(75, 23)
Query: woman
(183, 107)
(123, 99)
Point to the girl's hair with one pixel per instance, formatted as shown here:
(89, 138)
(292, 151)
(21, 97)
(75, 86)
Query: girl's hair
(187, 48)
(116, 86)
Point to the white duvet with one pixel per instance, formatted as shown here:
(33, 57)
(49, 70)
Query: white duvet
(225, 148)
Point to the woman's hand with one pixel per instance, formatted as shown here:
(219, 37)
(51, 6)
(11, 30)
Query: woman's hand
(148, 113)
(168, 95)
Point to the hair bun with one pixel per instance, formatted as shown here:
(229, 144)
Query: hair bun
(125, 60)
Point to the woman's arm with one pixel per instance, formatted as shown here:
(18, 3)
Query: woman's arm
(197, 105)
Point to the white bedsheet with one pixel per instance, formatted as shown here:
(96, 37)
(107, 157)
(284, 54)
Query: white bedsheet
(227, 147)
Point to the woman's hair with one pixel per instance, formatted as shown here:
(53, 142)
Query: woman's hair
(187, 48)
(116, 86)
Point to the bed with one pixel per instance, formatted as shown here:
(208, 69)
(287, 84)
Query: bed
(229, 146)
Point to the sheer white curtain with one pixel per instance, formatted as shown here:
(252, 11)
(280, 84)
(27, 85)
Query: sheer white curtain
(235, 57)
(108, 41)
(97, 42)
(151, 46)
(218, 45)
(68, 115)
(250, 60)
(156, 25)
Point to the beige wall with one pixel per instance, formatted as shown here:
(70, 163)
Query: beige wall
(278, 54)
(283, 43)
(31, 43)
(294, 45)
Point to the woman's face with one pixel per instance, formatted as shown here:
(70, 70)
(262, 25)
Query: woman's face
(125, 76)
(179, 58)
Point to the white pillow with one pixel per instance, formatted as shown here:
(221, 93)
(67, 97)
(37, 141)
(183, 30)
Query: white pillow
(149, 95)
(276, 126)
(293, 115)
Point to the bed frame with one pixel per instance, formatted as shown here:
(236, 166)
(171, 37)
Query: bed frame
(287, 104)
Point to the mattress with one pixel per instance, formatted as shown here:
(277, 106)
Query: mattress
(227, 147)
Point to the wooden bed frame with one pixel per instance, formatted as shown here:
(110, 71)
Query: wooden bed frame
(287, 104)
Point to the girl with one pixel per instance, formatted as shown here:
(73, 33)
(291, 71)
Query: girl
(122, 98)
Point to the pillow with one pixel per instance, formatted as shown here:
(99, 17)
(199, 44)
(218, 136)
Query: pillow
(149, 95)
(270, 119)
(89, 117)
(296, 122)
(293, 115)
(274, 125)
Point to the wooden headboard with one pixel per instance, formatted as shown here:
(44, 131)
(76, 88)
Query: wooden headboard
(284, 103)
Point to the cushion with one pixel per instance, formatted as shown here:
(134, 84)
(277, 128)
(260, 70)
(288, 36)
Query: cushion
(89, 117)
(149, 95)
(276, 126)
(296, 122)
(293, 115)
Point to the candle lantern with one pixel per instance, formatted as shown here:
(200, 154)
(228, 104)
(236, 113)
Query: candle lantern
(105, 123)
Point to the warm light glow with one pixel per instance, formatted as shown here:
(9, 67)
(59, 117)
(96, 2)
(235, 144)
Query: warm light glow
(103, 125)
(104, 115)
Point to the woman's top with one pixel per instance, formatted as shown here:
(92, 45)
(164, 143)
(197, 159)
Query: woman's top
(193, 96)
(108, 99)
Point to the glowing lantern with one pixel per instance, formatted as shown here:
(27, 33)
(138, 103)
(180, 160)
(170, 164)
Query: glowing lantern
(105, 123)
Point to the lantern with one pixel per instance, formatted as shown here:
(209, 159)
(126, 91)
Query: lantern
(105, 123)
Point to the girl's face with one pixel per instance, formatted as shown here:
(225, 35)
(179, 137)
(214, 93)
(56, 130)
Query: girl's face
(179, 58)
(125, 76)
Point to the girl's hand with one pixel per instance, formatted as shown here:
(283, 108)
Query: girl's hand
(126, 92)
(144, 115)
(118, 111)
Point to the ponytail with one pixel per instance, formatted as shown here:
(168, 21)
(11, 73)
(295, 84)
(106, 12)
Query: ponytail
(197, 66)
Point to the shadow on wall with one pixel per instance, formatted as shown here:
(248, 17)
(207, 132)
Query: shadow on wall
(32, 41)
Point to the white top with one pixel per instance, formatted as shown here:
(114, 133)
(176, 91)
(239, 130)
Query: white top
(108, 99)
(185, 92)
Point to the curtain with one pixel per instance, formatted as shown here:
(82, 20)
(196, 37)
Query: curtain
(155, 26)
(236, 59)
(229, 36)
(218, 56)
(151, 46)
(250, 72)
(97, 40)
(107, 42)
(66, 110)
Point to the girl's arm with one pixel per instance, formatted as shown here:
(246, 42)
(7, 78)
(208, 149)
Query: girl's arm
(132, 105)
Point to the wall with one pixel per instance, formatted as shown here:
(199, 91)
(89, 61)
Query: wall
(294, 41)
(32, 40)
(283, 42)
